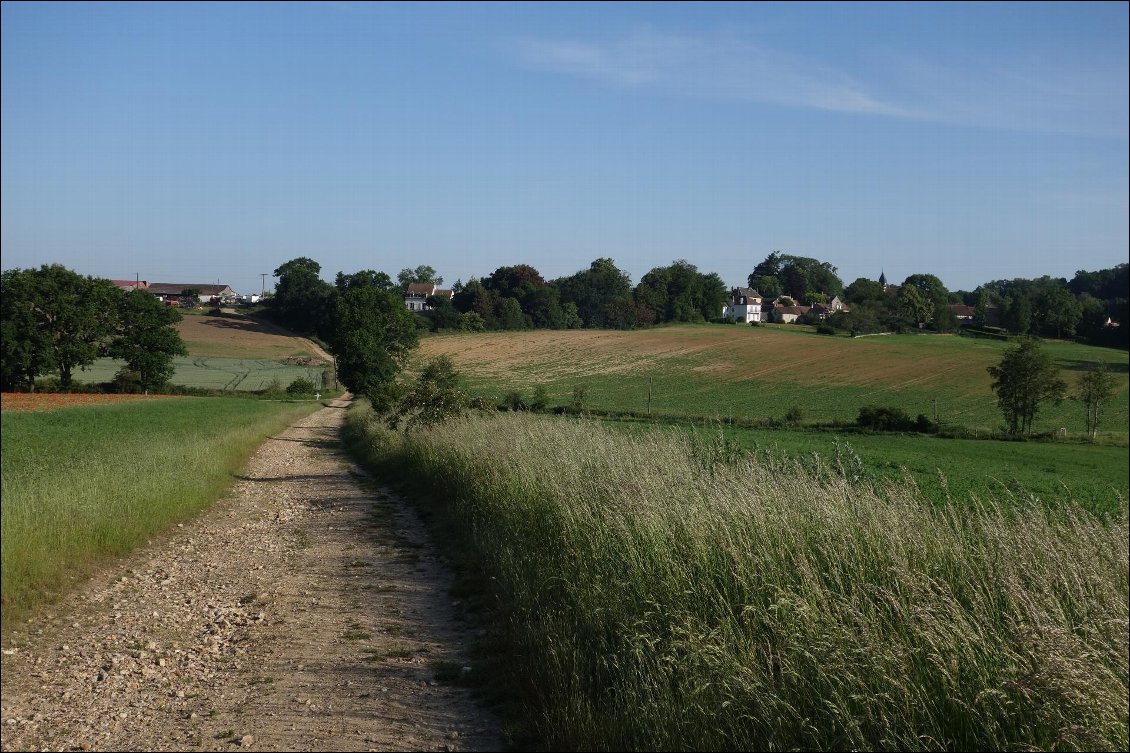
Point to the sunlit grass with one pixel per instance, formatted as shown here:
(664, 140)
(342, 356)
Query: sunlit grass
(653, 591)
(85, 483)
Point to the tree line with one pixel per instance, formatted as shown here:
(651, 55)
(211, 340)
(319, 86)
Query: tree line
(518, 297)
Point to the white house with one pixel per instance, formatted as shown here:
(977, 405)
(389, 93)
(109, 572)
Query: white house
(744, 306)
(416, 299)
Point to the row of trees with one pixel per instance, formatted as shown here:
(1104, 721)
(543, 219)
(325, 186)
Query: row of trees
(517, 297)
(55, 320)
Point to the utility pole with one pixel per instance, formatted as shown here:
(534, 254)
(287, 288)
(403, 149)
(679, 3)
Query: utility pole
(264, 276)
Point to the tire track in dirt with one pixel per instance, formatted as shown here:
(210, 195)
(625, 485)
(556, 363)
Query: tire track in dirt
(305, 611)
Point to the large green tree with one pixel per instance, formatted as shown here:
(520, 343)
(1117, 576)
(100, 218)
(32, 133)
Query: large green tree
(146, 338)
(1025, 378)
(371, 334)
(57, 320)
(680, 293)
(797, 276)
(914, 306)
(593, 289)
(422, 273)
(302, 298)
(26, 350)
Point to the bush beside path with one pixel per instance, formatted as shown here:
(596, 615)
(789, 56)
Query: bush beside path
(305, 611)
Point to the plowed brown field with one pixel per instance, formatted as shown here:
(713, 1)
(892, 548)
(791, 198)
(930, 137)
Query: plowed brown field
(11, 402)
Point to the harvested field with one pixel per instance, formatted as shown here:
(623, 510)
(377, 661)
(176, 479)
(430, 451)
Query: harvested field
(234, 335)
(761, 372)
(13, 402)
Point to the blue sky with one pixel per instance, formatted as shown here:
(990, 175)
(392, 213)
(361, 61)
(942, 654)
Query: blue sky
(195, 143)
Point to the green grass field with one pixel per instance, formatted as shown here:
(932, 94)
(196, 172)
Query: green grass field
(233, 374)
(762, 372)
(83, 483)
(959, 470)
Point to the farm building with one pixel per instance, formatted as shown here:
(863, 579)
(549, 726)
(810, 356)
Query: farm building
(416, 299)
(128, 285)
(744, 306)
(171, 292)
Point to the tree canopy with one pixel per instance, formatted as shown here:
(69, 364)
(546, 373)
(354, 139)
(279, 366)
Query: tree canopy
(1025, 378)
(146, 338)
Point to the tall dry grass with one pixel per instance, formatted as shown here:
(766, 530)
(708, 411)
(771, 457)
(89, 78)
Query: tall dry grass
(662, 592)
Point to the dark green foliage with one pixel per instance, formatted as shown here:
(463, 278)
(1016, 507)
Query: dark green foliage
(580, 394)
(126, 382)
(1094, 390)
(680, 293)
(880, 418)
(371, 334)
(1025, 378)
(435, 398)
(863, 290)
(593, 289)
(54, 319)
(300, 386)
(422, 273)
(794, 416)
(146, 338)
(302, 299)
(540, 399)
(914, 307)
(513, 401)
(366, 278)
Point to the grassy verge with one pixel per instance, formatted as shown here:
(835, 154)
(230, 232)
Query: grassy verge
(656, 592)
(88, 482)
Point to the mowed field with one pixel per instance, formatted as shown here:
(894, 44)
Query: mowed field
(232, 352)
(237, 336)
(762, 372)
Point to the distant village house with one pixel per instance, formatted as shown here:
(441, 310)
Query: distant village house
(416, 299)
(744, 306)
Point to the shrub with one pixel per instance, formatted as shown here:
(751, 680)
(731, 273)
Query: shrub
(825, 329)
(126, 381)
(540, 400)
(513, 400)
(885, 419)
(794, 416)
(300, 386)
(580, 394)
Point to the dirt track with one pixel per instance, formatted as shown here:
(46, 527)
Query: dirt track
(303, 612)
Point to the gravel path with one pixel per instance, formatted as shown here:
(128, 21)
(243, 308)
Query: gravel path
(305, 611)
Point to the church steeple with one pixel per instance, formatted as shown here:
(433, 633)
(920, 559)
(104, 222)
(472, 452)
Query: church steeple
(883, 278)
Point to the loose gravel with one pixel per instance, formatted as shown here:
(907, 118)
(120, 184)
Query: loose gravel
(305, 611)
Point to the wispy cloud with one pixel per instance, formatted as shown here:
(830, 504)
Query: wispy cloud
(722, 67)
(1036, 95)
